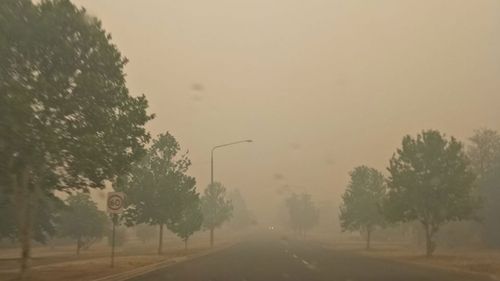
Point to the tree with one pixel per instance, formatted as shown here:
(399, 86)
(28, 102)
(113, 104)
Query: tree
(328, 217)
(490, 213)
(430, 181)
(302, 211)
(362, 201)
(215, 207)
(241, 216)
(158, 188)
(67, 120)
(7, 218)
(145, 232)
(120, 236)
(44, 222)
(484, 151)
(82, 221)
(190, 221)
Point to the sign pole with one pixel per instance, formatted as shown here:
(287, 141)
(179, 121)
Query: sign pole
(113, 242)
(115, 204)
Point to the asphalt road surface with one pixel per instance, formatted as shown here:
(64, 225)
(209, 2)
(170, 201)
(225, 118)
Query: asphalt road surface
(275, 260)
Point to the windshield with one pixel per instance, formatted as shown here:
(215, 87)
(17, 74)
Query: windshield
(249, 140)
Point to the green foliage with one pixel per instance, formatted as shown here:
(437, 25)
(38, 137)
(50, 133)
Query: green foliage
(303, 212)
(82, 221)
(120, 236)
(215, 207)
(67, 120)
(158, 189)
(145, 232)
(484, 151)
(190, 221)
(7, 218)
(65, 106)
(431, 182)
(328, 215)
(489, 187)
(44, 224)
(241, 216)
(362, 201)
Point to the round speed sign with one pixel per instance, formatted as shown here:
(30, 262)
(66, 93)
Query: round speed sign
(115, 202)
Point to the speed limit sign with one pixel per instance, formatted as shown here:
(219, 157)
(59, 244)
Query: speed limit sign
(115, 202)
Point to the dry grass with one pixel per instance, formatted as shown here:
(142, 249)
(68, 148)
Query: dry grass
(482, 261)
(61, 263)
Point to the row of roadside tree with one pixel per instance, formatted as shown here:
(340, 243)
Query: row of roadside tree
(158, 193)
(68, 125)
(433, 180)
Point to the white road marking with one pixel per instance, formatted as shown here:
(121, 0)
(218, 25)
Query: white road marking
(309, 265)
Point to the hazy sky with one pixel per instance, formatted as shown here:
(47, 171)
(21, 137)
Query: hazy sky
(320, 86)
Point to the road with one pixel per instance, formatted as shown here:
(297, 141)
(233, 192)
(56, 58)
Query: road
(275, 260)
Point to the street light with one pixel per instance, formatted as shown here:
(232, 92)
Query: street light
(212, 156)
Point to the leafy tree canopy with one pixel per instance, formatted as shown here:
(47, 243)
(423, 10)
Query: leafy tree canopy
(303, 212)
(241, 217)
(145, 232)
(484, 150)
(362, 200)
(216, 208)
(430, 181)
(82, 221)
(44, 224)
(190, 221)
(490, 191)
(66, 113)
(67, 120)
(158, 187)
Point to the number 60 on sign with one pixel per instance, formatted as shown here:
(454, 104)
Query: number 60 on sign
(115, 202)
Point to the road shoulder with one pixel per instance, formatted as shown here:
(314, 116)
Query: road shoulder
(439, 262)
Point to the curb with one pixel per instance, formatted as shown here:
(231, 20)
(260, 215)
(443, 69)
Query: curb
(159, 265)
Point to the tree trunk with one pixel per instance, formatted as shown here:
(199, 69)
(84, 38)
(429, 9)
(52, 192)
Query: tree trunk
(78, 246)
(24, 206)
(185, 244)
(211, 237)
(430, 246)
(368, 237)
(160, 243)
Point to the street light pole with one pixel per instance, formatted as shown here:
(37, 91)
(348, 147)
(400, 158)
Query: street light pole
(212, 156)
(212, 176)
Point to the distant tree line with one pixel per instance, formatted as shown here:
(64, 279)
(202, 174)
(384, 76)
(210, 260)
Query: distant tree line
(433, 180)
(303, 213)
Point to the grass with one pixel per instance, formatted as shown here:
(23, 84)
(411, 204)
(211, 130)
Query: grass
(60, 263)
